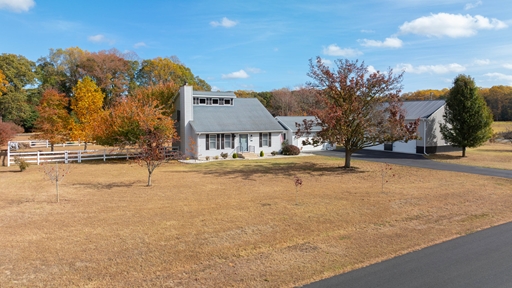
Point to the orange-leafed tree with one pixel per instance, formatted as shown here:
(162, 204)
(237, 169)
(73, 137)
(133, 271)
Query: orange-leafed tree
(54, 122)
(360, 109)
(3, 83)
(7, 131)
(87, 103)
(140, 121)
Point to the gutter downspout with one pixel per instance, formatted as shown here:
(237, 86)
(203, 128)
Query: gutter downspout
(425, 136)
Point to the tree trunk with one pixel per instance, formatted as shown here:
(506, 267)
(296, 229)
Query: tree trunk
(348, 156)
(85, 146)
(149, 179)
(463, 151)
(51, 147)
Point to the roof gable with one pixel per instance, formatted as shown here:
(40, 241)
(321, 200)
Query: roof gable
(421, 109)
(246, 115)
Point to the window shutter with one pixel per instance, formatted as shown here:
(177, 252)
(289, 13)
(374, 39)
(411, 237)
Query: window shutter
(207, 142)
(261, 139)
(222, 141)
(269, 139)
(233, 141)
(218, 140)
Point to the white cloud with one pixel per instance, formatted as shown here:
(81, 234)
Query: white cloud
(392, 42)
(17, 5)
(100, 38)
(437, 69)
(500, 77)
(507, 65)
(367, 31)
(326, 62)
(139, 45)
(371, 69)
(482, 62)
(215, 88)
(451, 25)
(254, 70)
(335, 50)
(225, 22)
(236, 75)
(472, 5)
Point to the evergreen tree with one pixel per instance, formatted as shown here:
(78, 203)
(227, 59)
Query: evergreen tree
(468, 119)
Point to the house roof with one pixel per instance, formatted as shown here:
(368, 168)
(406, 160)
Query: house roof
(288, 122)
(246, 115)
(421, 109)
(213, 94)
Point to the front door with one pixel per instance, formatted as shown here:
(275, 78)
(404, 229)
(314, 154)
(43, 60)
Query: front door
(244, 143)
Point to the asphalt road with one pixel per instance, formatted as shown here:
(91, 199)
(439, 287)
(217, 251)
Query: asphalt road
(416, 160)
(481, 259)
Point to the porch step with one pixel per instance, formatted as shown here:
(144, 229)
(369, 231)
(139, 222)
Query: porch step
(248, 155)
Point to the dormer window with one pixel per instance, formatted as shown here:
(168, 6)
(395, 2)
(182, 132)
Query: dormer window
(215, 101)
(227, 101)
(202, 101)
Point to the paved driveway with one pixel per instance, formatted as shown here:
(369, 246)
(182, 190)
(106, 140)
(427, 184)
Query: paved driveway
(416, 160)
(481, 259)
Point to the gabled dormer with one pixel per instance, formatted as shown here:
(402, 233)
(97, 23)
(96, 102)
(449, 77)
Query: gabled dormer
(213, 98)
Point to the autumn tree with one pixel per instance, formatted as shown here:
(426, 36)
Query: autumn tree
(87, 106)
(428, 94)
(164, 93)
(7, 132)
(54, 121)
(283, 103)
(362, 109)
(110, 71)
(169, 69)
(3, 83)
(467, 118)
(140, 121)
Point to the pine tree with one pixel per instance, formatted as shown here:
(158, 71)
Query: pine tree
(468, 119)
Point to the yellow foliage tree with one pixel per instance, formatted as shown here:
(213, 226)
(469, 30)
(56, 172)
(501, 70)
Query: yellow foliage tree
(3, 83)
(87, 106)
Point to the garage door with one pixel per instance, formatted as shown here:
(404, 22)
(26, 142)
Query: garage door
(409, 147)
(376, 147)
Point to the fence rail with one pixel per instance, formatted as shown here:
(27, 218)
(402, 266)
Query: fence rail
(38, 157)
(16, 145)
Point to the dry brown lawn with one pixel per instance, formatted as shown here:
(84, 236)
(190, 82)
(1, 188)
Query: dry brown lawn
(490, 155)
(501, 126)
(230, 223)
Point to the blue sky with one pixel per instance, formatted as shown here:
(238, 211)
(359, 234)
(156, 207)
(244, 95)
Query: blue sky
(266, 45)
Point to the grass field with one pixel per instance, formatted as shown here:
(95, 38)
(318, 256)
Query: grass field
(230, 223)
(501, 126)
(490, 155)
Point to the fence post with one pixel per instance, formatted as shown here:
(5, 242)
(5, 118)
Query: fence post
(66, 157)
(104, 155)
(38, 158)
(8, 153)
(79, 156)
(46, 143)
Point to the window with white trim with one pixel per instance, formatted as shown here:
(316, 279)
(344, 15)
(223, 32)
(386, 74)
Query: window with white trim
(213, 141)
(264, 139)
(227, 141)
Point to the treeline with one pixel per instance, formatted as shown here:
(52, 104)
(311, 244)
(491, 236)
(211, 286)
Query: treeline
(498, 98)
(116, 74)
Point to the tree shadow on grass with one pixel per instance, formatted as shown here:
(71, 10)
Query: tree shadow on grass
(254, 171)
(107, 186)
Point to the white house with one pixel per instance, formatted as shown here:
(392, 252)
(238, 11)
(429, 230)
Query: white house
(430, 139)
(290, 134)
(211, 123)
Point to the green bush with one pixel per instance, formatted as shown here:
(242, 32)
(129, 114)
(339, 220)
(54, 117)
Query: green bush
(21, 163)
(261, 153)
(235, 155)
(290, 150)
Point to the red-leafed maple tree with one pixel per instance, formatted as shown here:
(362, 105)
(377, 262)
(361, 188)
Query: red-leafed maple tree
(359, 109)
(54, 121)
(140, 121)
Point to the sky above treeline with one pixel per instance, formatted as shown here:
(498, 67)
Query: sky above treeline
(266, 45)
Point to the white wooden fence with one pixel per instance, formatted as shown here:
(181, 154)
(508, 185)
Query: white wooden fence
(38, 157)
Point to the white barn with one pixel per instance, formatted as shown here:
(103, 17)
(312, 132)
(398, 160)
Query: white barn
(430, 139)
